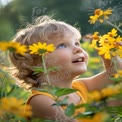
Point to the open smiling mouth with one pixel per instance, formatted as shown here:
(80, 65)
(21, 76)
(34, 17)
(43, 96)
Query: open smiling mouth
(78, 60)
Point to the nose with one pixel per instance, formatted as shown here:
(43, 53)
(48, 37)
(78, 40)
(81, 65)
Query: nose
(77, 49)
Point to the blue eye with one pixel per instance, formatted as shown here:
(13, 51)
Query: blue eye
(61, 46)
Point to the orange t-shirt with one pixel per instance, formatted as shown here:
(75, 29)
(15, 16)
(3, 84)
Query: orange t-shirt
(77, 85)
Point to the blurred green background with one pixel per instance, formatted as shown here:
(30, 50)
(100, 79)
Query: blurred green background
(17, 13)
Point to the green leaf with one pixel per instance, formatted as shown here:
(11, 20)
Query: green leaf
(53, 69)
(118, 119)
(42, 120)
(86, 105)
(70, 110)
(116, 79)
(85, 114)
(11, 90)
(63, 91)
(49, 121)
(114, 109)
(63, 102)
(37, 69)
(58, 92)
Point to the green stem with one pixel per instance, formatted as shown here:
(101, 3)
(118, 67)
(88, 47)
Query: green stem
(114, 26)
(45, 70)
(2, 86)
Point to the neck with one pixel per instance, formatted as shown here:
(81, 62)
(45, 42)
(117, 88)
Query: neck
(62, 81)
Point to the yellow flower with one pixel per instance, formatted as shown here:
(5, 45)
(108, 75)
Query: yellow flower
(103, 44)
(28, 111)
(107, 12)
(94, 96)
(98, 12)
(118, 74)
(118, 46)
(94, 44)
(41, 48)
(98, 117)
(14, 106)
(106, 92)
(105, 51)
(93, 19)
(113, 33)
(95, 39)
(100, 15)
(119, 51)
(106, 40)
(109, 44)
(14, 47)
(95, 36)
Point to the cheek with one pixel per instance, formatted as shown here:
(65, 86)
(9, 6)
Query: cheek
(86, 56)
(57, 59)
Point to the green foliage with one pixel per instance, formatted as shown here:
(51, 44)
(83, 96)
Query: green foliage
(18, 13)
(61, 102)
(9, 88)
(42, 120)
(62, 91)
(37, 70)
(115, 110)
(70, 110)
(58, 92)
(8, 85)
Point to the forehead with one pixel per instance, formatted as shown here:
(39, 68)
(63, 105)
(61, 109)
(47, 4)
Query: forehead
(72, 35)
(75, 33)
(70, 30)
(68, 36)
(64, 31)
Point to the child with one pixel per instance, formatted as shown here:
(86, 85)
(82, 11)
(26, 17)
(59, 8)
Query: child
(68, 56)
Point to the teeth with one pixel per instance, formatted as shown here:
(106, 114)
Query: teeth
(80, 59)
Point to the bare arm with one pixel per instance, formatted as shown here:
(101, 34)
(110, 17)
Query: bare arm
(42, 108)
(97, 82)
(101, 80)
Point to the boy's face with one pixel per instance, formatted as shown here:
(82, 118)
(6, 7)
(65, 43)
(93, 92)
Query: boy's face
(69, 57)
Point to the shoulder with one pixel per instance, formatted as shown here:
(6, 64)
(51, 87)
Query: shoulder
(79, 84)
(42, 106)
(82, 90)
(86, 82)
(37, 99)
(41, 101)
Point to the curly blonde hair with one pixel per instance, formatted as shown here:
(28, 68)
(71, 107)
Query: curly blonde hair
(44, 29)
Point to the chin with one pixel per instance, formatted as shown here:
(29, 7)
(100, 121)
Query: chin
(78, 73)
(83, 70)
